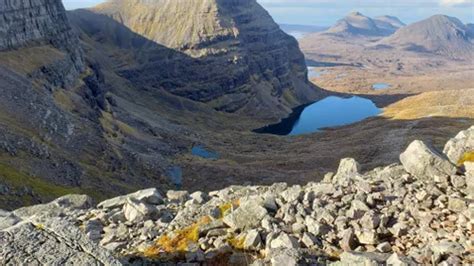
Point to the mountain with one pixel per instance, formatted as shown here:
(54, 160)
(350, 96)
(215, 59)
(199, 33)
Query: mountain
(60, 130)
(438, 34)
(389, 23)
(356, 24)
(102, 101)
(230, 55)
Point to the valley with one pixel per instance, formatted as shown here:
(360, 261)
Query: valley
(212, 135)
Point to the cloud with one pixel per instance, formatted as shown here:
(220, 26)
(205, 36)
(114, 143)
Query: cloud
(456, 2)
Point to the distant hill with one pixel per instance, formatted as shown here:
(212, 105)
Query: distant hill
(359, 25)
(438, 34)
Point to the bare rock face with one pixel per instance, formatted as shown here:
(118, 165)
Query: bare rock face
(228, 54)
(43, 22)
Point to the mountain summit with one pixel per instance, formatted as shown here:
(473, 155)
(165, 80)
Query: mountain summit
(357, 24)
(229, 54)
(438, 34)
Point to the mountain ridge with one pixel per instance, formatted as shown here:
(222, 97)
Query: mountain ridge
(439, 34)
(357, 24)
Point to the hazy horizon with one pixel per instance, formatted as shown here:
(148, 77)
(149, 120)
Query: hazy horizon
(327, 12)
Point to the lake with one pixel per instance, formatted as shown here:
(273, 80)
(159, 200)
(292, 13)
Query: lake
(381, 86)
(329, 112)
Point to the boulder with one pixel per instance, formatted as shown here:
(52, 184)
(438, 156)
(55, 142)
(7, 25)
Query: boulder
(136, 211)
(352, 258)
(397, 260)
(348, 168)
(253, 241)
(180, 196)
(284, 240)
(425, 163)
(150, 196)
(246, 216)
(349, 241)
(457, 146)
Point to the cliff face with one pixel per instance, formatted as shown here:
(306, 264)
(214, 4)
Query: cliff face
(42, 22)
(229, 54)
(55, 133)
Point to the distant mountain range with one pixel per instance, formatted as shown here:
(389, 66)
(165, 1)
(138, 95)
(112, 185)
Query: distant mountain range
(356, 24)
(439, 34)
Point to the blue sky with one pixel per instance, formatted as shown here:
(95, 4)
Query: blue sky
(327, 12)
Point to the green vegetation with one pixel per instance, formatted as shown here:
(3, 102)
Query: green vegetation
(42, 188)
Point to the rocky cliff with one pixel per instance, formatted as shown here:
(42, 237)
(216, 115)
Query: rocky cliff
(228, 54)
(25, 24)
(55, 123)
(418, 212)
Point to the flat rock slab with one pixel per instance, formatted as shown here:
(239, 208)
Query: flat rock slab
(55, 242)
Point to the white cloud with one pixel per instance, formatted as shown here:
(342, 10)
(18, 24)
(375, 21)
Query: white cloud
(456, 2)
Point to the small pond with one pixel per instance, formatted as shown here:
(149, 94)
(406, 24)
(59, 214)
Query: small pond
(329, 112)
(381, 86)
(203, 153)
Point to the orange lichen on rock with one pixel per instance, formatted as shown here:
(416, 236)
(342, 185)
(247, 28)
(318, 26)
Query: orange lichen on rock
(466, 157)
(228, 206)
(177, 241)
(236, 242)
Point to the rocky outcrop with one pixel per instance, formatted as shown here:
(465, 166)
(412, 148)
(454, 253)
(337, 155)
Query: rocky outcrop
(228, 54)
(384, 216)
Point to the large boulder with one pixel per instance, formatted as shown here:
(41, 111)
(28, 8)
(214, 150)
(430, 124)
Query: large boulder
(149, 196)
(352, 258)
(247, 216)
(457, 146)
(348, 169)
(425, 163)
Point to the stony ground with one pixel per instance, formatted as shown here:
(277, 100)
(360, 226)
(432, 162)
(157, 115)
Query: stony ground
(418, 212)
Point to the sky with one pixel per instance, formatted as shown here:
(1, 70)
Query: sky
(327, 12)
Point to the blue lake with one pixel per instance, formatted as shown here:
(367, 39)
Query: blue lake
(328, 112)
(203, 153)
(381, 86)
